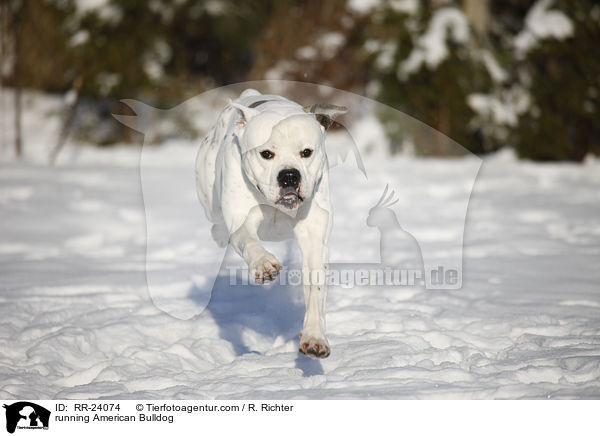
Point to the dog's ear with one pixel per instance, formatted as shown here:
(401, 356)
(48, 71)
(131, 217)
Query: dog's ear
(247, 112)
(325, 113)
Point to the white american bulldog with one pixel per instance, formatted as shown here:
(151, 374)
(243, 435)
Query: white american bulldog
(262, 174)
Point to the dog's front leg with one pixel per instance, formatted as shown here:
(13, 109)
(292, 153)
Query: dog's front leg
(263, 265)
(312, 234)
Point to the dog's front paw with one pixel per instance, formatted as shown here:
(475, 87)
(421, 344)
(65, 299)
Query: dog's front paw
(314, 347)
(265, 269)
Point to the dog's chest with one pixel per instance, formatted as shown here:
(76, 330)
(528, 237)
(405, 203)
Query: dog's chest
(276, 226)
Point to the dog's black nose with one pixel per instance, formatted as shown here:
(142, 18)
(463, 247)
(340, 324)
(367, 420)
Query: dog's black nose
(289, 178)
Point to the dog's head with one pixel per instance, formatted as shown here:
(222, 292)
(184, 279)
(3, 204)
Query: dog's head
(283, 153)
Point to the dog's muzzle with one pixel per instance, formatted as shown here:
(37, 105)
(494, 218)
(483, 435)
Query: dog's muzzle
(289, 188)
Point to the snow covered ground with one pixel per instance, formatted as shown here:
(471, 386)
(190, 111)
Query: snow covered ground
(77, 321)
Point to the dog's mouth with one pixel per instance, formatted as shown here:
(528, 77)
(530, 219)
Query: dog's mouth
(289, 197)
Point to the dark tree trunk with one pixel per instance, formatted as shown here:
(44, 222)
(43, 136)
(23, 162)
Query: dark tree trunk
(18, 117)
(16, 11)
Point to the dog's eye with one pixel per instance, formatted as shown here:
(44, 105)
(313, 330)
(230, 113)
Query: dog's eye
(307, 152)
(267, 154)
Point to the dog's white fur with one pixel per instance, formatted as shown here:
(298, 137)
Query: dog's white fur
(239, 190)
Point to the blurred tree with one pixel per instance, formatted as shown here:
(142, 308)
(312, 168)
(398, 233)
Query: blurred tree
(425, 59)
(485, 72)
(311, 41)
(554, 57)
(478, 14)
(160, 51)
(214, 39)
(12, 14)
(130, 47)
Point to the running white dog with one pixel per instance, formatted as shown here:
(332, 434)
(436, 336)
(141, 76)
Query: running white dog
(262, 174)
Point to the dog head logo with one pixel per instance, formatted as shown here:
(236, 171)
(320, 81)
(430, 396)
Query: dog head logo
(26, 415)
